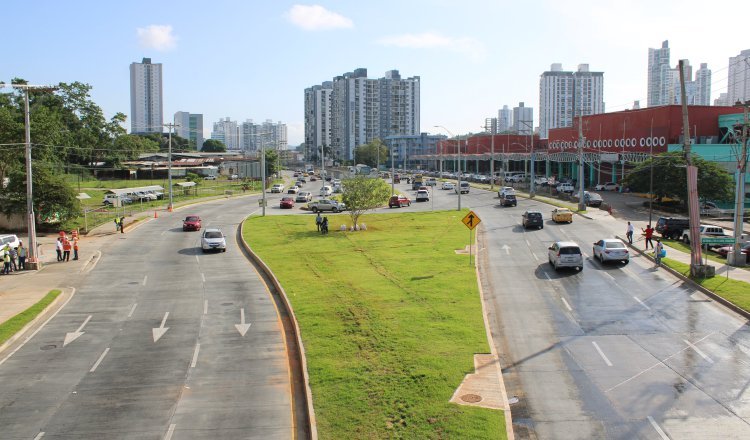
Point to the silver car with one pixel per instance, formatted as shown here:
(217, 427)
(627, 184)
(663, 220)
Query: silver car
(565, 254)
(611, 249)
(213, 240)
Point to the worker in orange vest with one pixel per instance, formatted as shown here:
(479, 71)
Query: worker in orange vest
(75, 247)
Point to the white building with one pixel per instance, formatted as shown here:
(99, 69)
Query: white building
(504, 119)
(722, 100)
(227, 132)
(658, 75)
(490, 125)
(190, 126)
(702, 86)
(523, 120)
(272, 134)
(664, 80)
(317, 118)
(738, 87)
(146, 97)
(564, 95)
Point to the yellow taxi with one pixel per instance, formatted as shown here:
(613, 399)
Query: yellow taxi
(560, 215)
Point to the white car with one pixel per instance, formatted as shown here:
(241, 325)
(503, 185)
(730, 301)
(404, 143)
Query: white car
(326, 191)
(213, 240)
(611, 249)
(565, 254)
(277, 188)
(293, 189)
(10, 240)
(448, 185)
(609, 186)
(505, 190)
(464, 187)
(422, 196)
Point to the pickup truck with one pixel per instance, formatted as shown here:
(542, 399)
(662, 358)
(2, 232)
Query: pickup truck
(705, 231)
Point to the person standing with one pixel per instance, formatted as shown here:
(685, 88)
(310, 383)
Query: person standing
(658, 250)
(648, 233)
(21, 256)
(318, 221)
(117, 225)
(13, 258)
(66, 249)
(324, 226)
(122, 225)
(59, 248)
(75, 248)
(6, 261)
(629, 232)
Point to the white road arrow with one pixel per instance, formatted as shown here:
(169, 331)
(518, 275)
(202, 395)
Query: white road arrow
(159, 332)
(70, 337)
(506, 248)
(242, 327)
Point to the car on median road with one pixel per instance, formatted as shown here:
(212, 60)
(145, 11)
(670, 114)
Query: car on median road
(326, 191)
(726, 250)
(611, 249)
(213, 240)
(398, 201)
(532, 218)
(294, 189)
(277, 188)
(286, 202)
(323, 205)
(303, 197)
(560, 215)
(422, 196)
(192, 223)
(565, 254)
(609, 186)
(448, 185)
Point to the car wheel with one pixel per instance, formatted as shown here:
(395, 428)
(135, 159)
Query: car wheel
(224, 250)
(580, 268)
(541, 227)
(315, 210)
(335, 210)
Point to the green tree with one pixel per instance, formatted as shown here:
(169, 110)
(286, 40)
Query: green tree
(53, 197)
(272, 162)
(192, 177)
(362, 193)
(214, 146)
(670, 178)
(373, 154)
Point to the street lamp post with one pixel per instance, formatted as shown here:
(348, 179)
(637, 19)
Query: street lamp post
(458, 174)
(169, 164)
(532, 188)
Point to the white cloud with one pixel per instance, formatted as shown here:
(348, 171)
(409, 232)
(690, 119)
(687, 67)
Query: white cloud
(317, 18)
(430, 40)
(158, 37)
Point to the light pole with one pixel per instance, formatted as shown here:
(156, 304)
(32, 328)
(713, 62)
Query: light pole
(458, 174)
(263, 172)
(169, 164)
(393, 174)
(492, 162)
(532, 187)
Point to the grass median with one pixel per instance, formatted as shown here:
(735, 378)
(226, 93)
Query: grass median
(16, 323)
(734, 291)
(390, 318)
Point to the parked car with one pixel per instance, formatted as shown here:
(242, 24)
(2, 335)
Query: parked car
(294, 189)
(532, 218)
(191, 223)
(277, 188)
(566, 188)
(592, 199)
(565, 254)
(112, 199)
(609, 186)
(705, 231)
(326, 191)
(560, 215)
(540, 181)
(672, 227)
(398, 201)
(508, 200)
(9, 239)
(611, 249)
(209, 178)
(725, 250)
(143, 196)
(327, 205)
(303, 197)
(234, 177)
(422, 196)
(213, 240)
(464, 187)
(448, 185)
(286, 202)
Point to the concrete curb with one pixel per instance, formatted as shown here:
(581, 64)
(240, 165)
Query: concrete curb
(707, 292)
(311, 429)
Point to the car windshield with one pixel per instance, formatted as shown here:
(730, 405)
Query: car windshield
(213, 234)
(534, 214)
(615, 245)
(192, 219)
(570, 250)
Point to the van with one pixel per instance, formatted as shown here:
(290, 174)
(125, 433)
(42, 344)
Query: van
(463, 187)
(565, 254)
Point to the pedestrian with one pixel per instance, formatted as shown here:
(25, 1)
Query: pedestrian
(21, 256)
(13, 258)
(59, 248)
(648, 233)
(117, 225)
(75, 248)
(66, 249)
(122, 225)
(658, 252)
(6, 262)
(318, 221)
(324, 226)
(629, 233)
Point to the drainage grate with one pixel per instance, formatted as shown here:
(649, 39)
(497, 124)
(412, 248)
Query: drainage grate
(471, 398)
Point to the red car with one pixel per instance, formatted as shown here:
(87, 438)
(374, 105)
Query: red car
(399, 201)
(191, 223)
(286, 203)
(724, 250)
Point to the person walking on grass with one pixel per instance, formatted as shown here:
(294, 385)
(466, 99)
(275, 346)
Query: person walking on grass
(318, 221)
(629, 232)
(648, 233)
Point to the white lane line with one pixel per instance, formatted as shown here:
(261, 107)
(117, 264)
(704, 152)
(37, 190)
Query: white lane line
(170, 431)
(203, 277)
(145, 279)
(527, 243)
(548, 277)
(40, 435)
(658, 429)
(534, 255)
(641, 303)
(610, 276)
(698, 350)
(132, 309)
(197, 260)
(601, 353)
(99, 361)
(195, 355)
(205, 306)
(566, 304)
(163, 232)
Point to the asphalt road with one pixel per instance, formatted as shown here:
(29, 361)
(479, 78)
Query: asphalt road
(153, 346)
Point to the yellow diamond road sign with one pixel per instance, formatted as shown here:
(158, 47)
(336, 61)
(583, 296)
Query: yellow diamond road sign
(471, 220)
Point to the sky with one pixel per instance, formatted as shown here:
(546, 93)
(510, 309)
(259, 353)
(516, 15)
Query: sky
(253, 59)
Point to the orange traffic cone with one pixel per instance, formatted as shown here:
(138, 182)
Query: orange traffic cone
(156, 214)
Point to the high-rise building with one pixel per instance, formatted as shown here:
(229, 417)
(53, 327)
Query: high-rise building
(227, 132)
(702, 85)
(564, 95)
(658, 75)
(722, 100)
(490, 125)
(272, 134)
(146, 97)
(190, 126)
(738, 87)
(504, 119)
(523, 119)
(353, 110)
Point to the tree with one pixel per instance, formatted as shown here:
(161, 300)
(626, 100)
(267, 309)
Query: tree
(369, 154)
(272, 162)
(214, 146)
(53, 197)
(670, 178)
(362, 193)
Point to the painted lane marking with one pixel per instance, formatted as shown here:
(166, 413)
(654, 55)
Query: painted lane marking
(203, 277)
(548, 277)
(610, 276)
(159, 332)
(145, 278)
(163, 232)
(506, 248)
(99, 361)
(40, 435)
(658, 429)
(601, 353)
(72, 336)
(570, 309)
(195, 355)
(205, 306)
(132, 309)
(242, 327)
(170, 431)
(698, 350)
(197, 260)
(534, 255)
(641, 302)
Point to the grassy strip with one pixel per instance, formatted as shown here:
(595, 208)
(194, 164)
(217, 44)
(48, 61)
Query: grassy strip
(390, 318)
(16, 323)
(682, 247)
(735, 291)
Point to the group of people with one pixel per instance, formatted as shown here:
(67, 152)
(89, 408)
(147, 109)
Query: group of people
(322, 224)
(14, 258)
(648, 235)
(64, 245)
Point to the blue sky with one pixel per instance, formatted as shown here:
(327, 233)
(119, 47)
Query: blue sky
(253, 59)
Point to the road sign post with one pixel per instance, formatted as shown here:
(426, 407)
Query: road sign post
(717, 240)
(471, 220)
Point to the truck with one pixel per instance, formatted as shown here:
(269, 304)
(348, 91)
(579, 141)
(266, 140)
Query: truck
(417, 181)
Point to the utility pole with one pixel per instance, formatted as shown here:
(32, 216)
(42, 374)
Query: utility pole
(581, 141)
(651, 179)
(393, 174)
(263, 173)
(736, 257)
(169, 165)
(696, 268)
